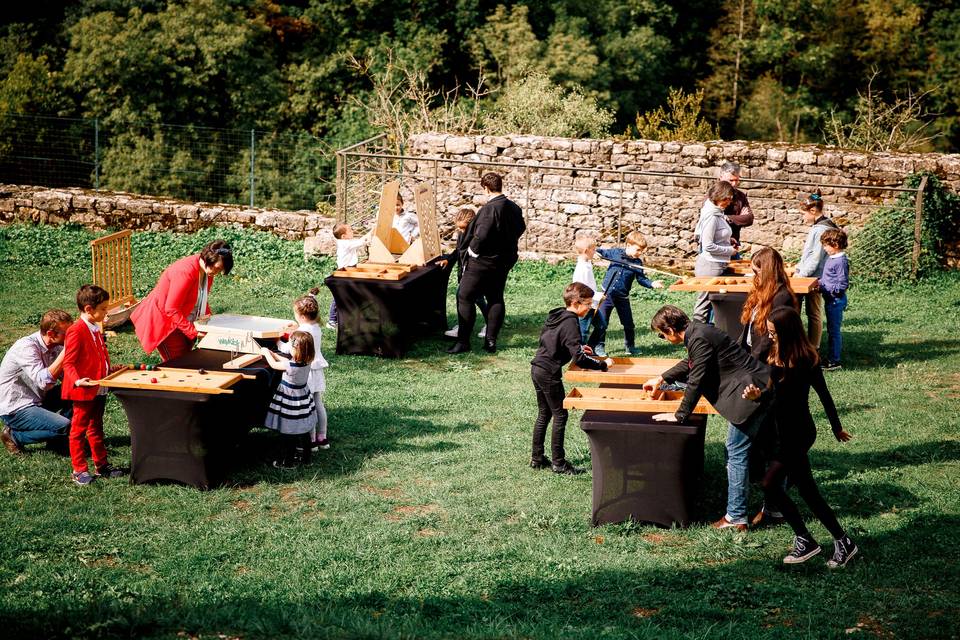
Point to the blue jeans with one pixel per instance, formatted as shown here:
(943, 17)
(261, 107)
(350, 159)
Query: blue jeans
(624, 312)
(40, 423)
(833, 307)
(739, 440)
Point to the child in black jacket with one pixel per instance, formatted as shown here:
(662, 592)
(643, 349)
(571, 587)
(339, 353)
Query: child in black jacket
(559, 344)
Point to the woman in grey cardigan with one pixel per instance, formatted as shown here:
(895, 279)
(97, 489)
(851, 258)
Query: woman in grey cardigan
(715, 238)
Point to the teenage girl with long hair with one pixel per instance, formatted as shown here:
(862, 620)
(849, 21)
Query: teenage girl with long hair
(795, 369)
(771, 289)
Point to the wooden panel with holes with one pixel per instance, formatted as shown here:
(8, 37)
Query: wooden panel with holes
(616, 399)
(623, 371)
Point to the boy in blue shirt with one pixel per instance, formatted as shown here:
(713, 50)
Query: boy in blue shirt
(625, 267)
(833, 286)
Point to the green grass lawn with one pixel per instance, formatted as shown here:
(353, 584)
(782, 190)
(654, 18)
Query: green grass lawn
(423, 519)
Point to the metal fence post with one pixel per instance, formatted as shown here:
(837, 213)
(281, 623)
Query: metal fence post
(526, 236)
(253, 156)
(620, 211)
(918, 228)
(96, 154)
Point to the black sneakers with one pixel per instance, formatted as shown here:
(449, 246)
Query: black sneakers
(843, 550)
(566, 469)
(803, 550)
(831, 366)
(540, 463)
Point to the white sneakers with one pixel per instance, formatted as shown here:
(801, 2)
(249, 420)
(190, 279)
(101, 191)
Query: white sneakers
(452, 333)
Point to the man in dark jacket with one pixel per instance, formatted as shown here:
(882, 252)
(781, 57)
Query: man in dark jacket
(490, 256)
(559, 344)
(719, 370)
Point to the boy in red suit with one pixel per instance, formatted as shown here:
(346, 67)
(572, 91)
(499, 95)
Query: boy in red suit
(86, 359)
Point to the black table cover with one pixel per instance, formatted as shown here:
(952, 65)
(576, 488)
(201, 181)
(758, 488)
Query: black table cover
(383, 317)
(192, 437)
(644, 470)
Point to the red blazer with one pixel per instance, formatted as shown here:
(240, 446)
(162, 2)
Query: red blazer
(82, 358)
(166, 308)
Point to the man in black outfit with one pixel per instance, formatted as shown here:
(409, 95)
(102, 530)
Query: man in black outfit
(490, 256)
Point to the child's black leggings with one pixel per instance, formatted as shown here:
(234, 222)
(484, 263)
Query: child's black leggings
(798, 469)
(550, 396)
(289, 443)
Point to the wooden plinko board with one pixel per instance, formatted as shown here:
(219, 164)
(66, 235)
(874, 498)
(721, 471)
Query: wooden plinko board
(375, 271)
(623, 371)
(181, 380)
(429, 238)
(613, 399)
(742, 268)
(256, 326)
(733, 284)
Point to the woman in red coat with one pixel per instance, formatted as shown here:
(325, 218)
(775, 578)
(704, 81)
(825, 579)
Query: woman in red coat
(164, 320)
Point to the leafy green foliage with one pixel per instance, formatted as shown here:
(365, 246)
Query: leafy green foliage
(537, 106)
(681, 120)
(883, 250)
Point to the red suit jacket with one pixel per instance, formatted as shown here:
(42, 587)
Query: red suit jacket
(83, 358)
(166, 308)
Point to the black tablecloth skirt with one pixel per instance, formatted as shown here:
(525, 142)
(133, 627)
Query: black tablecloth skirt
(643, 470)
(727, 308)
(192, 437)
(383, 317)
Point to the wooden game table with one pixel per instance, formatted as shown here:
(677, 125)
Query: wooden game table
(383, 316)
(728, 293)
(187, 426)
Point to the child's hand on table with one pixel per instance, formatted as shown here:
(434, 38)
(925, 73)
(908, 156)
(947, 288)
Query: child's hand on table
(609, 362)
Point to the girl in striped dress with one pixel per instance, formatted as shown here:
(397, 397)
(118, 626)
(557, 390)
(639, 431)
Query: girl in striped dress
(292, 410)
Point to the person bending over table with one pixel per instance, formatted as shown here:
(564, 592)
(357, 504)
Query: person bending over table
(717, 369)
(164, 320)
(30, 407)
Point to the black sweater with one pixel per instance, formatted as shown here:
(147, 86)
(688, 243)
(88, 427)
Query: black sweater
(496, 231)
(717, 369)
(560, 343)
(795, 429)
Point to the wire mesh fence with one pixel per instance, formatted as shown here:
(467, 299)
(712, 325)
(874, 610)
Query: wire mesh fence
(282, 170)
(561, 201)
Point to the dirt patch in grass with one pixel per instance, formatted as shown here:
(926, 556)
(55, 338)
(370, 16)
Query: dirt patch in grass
(403, 511)
(644, 612)
(241, 505)
(654, 538)
(429, 533)
(390, 493)
(872, 626)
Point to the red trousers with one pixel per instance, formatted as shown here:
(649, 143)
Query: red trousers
(174, 346)
(87, 423)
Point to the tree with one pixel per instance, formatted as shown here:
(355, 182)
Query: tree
(682, 119)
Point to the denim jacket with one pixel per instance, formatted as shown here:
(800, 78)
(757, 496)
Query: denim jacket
(622, 272)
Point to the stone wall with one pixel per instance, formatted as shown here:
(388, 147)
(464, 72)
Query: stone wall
(102, 210)
(604, 195)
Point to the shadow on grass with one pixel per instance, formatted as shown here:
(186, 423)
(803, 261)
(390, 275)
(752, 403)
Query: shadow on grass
(868, 348)
(740, 592)
(359, 433)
